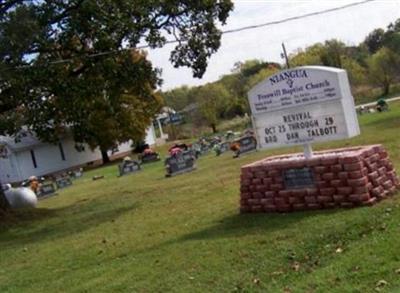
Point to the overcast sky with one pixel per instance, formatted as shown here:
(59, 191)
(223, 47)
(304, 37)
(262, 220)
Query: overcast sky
(350, 25)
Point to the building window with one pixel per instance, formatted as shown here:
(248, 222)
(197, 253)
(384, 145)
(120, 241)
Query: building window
(61, 151)
(33, 159)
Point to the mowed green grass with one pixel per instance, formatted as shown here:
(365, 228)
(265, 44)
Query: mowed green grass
(146, 233)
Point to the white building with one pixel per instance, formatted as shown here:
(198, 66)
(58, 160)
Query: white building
(29, 156)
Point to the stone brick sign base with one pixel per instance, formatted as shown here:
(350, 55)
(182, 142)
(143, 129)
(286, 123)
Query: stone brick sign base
(346, 178)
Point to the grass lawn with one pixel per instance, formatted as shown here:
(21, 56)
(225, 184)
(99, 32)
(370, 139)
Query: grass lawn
(147, 233)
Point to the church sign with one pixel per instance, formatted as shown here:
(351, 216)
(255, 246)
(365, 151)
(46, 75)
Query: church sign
(303, 105)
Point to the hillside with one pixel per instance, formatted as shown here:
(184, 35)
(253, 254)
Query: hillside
(147, 233)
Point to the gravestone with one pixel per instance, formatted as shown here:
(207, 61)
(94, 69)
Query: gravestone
(222, 147)
(229, 135)
(200, 148)
(225, 146)
(77, 173)
(247, 144)
(148, 158)
(128, 167)
(180, 163)
(63, 182)
(47, 188)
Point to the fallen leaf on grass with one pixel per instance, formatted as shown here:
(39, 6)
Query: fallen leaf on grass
(296, 266)
(238, 288)
(339, 250)
(380, 284)
(276, 273)
(356, 269)
(287, 290)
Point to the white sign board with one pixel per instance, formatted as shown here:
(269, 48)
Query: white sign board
(303, 105)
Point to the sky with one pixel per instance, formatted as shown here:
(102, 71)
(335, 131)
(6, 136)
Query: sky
(350, 25)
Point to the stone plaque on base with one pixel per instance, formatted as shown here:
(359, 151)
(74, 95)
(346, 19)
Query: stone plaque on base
(298, 178)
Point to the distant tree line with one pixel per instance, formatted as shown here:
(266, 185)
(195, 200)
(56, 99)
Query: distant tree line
(375, 62)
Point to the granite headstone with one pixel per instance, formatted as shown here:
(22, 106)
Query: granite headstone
(247, 144)
(63, 182)
(148, 158)
(128, 167)
(46, 188)
(180, 163)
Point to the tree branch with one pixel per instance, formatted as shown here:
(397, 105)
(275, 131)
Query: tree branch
(4, 6)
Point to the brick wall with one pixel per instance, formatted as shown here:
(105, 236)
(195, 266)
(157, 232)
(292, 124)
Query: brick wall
(346, 177)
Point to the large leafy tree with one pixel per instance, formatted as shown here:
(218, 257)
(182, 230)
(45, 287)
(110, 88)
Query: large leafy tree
(392, 36)
(212, 100)
(379, 38)
(375, 40)
(76, 65)
(383, 68)
(178, 98)
(332, 53)
(237, 83)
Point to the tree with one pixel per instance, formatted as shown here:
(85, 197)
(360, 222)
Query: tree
(332, 53)
(237, 84)
(383, 68)
(374, 40)
(358, 54)
(74, 65)
(357, 74)
(392, 36)
(177, 98)
(260, 76)
(310, 56)
(212, 99)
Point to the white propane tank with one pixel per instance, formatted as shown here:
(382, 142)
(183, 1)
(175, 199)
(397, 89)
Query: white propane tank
(20, 197)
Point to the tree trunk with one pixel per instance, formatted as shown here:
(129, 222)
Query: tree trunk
(386, 89)
(104, 156)
(214, 128)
